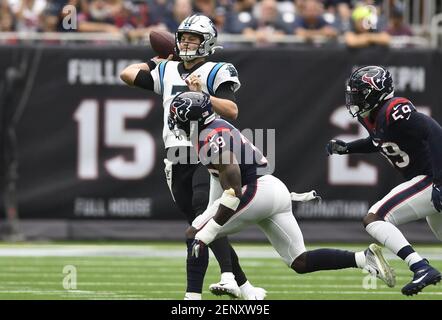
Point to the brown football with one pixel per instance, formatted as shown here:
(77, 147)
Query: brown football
(163, 43)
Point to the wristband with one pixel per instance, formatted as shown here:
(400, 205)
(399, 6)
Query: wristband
(151, 64)
(208, 233)
(229, 199)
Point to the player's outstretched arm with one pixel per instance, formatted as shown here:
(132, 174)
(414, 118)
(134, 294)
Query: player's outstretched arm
(224, 103)
(358, 146)
(230, 180)
(138, 74)
(129, 74)
(225, 108)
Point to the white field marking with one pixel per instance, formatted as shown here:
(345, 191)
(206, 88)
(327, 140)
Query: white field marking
(207, 293)
(143, 270)
(264, 251)
(367, 292)
(50, 292)
(89, 283)
(174, 284)
(293, 277)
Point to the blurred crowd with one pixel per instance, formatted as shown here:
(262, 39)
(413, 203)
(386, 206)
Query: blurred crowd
(361, 23)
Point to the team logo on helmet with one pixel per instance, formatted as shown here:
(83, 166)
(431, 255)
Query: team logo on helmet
(181, 109)
(375, 78)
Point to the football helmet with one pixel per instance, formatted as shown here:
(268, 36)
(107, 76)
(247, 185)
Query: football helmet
(205, 29)
(366, 88)
(190, 107)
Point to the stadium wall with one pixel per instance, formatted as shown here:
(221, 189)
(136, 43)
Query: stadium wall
(90, 149)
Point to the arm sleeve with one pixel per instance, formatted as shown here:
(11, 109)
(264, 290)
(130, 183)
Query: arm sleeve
(226, 91)
(144, 80)
(362, 146)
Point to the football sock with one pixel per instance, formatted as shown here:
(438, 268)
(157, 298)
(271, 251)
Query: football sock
(392, 238)
(360, 259)
(329, 259)
(240, 277)
(409, 256)
(196, 268)
(221, 249)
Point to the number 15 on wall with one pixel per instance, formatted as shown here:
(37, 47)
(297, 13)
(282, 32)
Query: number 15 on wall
(115, 135)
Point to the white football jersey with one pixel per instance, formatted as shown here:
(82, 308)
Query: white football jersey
(168, 82)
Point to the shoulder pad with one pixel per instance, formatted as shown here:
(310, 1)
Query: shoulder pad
(399, 109)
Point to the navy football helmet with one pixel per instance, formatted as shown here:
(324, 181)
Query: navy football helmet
(366, 88)
(188, 107)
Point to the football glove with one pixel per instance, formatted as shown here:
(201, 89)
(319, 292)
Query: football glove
(336, 146)
(197, 247)
(436, 197)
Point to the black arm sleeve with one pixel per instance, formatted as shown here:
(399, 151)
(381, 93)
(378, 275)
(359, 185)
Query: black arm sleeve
(144, 80)
(225, 91)
(361, 146)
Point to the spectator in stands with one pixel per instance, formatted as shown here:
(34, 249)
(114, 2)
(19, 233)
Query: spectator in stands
(27, 13)
(366, 29)
(205, 7)
(99, 18)
(158, 10)
(135, 21)
(240, 19)
(340, 10)
(269, 23)
(49, 20)
(310, 24)
(396, 25)
(219, 19)
(180, 10)
(7, 23)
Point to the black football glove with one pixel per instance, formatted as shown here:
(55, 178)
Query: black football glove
(336, 146)
(436, 197)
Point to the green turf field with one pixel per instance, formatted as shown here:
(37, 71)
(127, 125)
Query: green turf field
(157, 271)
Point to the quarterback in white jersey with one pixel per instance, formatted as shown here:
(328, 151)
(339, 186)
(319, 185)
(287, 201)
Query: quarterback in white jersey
(189, 181)
(170, 79)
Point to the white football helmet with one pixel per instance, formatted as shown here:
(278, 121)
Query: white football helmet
(203, 27)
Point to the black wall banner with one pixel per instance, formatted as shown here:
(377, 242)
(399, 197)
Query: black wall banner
(91, 147)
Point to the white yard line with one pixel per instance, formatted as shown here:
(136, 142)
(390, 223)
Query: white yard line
(151, 251)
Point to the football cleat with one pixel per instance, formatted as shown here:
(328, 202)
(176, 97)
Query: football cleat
(254, 294)
(229, 288)
(423, 277)
(378, 266)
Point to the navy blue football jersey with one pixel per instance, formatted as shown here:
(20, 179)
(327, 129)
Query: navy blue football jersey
(220, 135)
(410, 140)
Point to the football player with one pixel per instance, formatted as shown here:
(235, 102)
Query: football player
(196, 39)
(244, 195)
(410, 141)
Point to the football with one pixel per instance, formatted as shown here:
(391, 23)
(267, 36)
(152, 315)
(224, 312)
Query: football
(163, 43)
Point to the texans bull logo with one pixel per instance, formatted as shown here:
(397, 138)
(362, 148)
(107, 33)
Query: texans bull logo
(181, 108)
(375, 79)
